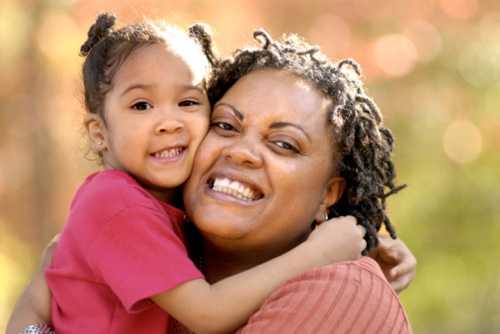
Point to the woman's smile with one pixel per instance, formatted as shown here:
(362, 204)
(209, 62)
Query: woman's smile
(261, 171)
(234, 186)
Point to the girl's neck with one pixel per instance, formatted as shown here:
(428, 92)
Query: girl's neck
(172, 196)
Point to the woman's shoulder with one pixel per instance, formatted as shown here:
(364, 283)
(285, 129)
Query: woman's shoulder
(346, 297)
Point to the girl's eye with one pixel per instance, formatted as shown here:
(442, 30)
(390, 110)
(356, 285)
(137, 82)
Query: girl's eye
(223, 126)
(141, 106)
(188, 103)
(286, 146)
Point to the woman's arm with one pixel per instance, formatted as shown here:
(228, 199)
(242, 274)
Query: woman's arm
(33, 306)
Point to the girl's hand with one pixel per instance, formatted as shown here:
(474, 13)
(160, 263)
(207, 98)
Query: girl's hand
(397, 262)
(338, 239)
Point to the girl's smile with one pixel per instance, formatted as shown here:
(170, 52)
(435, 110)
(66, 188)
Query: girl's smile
(155, 116)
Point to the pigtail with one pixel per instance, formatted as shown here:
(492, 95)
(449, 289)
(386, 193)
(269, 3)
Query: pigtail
(202, 34)
(102, 28)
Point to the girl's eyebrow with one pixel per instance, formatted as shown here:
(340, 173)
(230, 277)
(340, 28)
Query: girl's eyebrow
(194, 87)
(136, 86)
(235, 111)
(150, 86)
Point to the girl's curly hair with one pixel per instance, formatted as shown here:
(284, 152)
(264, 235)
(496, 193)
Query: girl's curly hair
(364, 144)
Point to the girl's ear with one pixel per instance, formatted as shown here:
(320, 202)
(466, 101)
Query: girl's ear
(97, 132)
(333, 192)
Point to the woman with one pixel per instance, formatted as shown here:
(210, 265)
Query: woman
(321, 151)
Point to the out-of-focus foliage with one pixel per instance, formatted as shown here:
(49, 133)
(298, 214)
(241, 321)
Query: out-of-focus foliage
(433, 66)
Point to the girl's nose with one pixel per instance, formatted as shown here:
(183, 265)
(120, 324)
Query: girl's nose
(168, 126)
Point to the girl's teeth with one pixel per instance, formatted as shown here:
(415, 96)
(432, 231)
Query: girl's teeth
(168, 153)
(233, 188)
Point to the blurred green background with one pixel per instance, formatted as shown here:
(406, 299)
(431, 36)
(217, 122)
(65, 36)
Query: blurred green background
(433, 66)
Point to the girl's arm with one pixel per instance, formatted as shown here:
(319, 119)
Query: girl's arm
(228, 304)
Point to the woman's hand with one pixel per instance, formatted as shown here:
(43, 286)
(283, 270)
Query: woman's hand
(397, 262)
(33, 306)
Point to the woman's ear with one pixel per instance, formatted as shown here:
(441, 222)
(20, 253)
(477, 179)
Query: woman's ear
(333, 192)
(97, 132)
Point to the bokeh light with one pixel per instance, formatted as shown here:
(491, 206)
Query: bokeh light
(395, 54)
(462, 141)
(426, 38)
(459, 9)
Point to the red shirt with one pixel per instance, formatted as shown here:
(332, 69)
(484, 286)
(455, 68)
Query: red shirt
(119, 247)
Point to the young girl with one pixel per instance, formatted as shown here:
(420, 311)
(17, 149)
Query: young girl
(121, 265)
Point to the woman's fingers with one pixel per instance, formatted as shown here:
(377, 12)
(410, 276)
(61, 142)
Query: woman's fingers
(49, 251)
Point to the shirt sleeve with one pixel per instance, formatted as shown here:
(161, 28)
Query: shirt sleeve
(348, 297)
(139, 255)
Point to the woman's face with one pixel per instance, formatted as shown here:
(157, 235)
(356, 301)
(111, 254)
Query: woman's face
(266, 169)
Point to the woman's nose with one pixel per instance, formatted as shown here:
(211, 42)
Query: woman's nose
(243, 153)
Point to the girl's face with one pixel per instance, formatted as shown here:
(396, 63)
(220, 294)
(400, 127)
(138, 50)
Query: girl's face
(155, 116)
(266, 169)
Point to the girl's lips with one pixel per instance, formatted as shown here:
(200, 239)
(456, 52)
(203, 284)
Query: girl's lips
(168, 155)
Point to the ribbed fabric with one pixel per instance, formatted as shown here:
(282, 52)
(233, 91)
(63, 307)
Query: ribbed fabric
(347, 297)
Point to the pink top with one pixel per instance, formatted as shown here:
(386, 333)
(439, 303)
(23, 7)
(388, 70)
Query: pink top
(347, 297)
(119, 247)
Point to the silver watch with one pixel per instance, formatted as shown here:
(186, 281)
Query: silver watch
(38, 329)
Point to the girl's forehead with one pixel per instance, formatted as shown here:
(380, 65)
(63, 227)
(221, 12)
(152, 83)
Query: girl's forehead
(158, 62)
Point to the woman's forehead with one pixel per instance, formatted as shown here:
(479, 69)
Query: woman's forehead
(273, 91)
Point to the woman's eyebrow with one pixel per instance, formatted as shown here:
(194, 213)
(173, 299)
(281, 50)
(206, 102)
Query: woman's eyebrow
(235, 111)
(278, 125)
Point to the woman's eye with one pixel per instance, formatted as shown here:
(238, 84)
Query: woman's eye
(286, 146)
(188, 103)
(223, 126)
(141, 106)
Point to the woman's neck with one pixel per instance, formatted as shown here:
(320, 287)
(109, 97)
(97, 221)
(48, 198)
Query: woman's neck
(219, 262)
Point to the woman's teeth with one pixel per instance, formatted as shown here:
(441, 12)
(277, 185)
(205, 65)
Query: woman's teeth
(234, 188)
(170, 153)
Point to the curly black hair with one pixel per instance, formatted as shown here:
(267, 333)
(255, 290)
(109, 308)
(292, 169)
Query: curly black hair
(365, 145)
(107, 48)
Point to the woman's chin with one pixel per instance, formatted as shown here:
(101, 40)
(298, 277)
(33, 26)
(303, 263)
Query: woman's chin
(216, 226)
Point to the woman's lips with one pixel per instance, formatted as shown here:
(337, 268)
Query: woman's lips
(225, 188)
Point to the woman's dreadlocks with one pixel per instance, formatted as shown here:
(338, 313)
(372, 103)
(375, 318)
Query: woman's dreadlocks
(365, 146)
